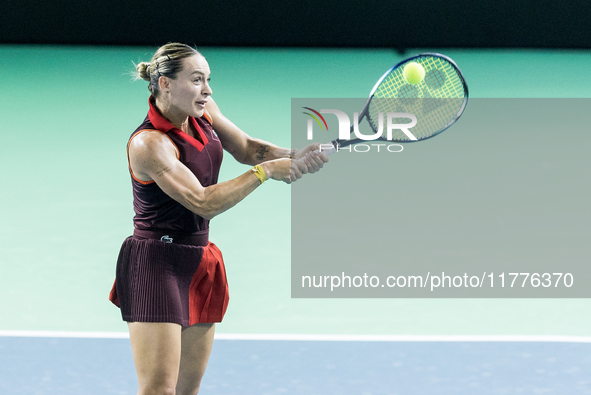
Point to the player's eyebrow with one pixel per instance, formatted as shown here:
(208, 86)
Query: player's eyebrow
(198, 72)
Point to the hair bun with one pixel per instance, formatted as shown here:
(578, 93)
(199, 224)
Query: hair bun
(143, 70)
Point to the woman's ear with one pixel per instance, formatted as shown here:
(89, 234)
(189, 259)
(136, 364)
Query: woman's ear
(163, 83)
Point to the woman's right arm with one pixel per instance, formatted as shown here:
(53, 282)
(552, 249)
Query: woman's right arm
(152, 156)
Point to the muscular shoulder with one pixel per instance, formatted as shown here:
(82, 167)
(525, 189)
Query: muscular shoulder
(151, 143)
(149, 152)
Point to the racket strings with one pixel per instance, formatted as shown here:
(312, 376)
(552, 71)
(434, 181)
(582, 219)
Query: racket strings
(436, 101)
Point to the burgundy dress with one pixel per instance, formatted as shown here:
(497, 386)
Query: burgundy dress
(169, 271)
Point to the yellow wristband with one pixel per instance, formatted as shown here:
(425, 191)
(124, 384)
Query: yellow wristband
(260, 173)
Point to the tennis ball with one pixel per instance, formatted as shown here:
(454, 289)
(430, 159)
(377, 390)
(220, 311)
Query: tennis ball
(413, 73)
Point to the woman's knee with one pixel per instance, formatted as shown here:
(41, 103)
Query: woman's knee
(158, 387)
(190, 387)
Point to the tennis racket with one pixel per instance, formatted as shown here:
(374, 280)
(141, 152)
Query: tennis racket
(436, 102)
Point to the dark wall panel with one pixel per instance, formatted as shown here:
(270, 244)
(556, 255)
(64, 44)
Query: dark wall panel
(378, 23)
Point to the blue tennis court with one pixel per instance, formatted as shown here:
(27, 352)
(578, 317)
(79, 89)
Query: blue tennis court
(71, 366)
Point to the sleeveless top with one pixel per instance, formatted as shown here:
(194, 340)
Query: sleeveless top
(154, 209)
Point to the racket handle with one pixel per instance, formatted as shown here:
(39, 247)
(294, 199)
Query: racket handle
(328, 149)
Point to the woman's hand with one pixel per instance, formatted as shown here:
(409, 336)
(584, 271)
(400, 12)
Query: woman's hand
(285, 169)
(311, 156)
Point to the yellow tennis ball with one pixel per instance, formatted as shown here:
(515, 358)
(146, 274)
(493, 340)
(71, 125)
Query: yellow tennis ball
(413, 73)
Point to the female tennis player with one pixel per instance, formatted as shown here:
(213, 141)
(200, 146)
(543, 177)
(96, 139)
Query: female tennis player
(171, 282)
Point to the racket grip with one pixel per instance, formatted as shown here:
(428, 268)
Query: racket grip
(328, 149)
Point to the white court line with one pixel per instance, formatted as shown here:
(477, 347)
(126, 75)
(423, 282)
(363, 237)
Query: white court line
(406, 338)
(68, 334)
(296, 337)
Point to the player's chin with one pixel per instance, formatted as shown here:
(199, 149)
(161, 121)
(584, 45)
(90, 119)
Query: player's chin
(198, 111)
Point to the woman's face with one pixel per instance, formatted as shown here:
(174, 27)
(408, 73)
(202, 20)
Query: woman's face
(190, 89)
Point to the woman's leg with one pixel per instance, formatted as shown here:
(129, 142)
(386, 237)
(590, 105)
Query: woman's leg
(157, 353)
(197, 341)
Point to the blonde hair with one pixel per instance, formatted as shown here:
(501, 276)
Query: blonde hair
(167, 61)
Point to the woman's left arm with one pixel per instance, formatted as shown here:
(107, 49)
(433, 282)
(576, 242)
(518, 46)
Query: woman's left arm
(252, 151)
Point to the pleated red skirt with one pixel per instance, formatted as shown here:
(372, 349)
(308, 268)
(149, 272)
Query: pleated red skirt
(165, 282)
